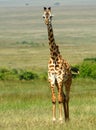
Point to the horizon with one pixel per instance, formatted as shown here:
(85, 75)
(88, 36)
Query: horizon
(46, 3)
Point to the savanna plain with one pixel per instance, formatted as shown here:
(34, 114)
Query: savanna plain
(26, 105)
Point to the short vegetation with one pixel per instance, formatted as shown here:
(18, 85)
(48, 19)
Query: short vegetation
(17, 74)
(25, 96)
(87, 69)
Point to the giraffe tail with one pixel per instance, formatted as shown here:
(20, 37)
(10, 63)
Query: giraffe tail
(75, 71)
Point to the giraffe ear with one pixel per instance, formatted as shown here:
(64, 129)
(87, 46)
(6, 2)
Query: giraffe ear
(49, 8)
(45, 8)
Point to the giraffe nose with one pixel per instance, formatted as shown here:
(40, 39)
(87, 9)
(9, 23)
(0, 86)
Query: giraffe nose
(46, 21)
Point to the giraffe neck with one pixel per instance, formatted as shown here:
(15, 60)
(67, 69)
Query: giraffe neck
(54, 50)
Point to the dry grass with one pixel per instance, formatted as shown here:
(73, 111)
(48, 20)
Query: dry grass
(74, 30)
(26, 23)
(29, 57)
(26, 105)
(25, 121)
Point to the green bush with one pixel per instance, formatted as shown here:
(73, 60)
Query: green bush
(3, 72)
(88, 69)
(8, 74)
(43, 76)
(90, 59)
(27, 75)
(1, 76)
(14, 74)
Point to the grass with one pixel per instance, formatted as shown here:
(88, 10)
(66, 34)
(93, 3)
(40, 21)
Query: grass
(27, 105)
(74, 30)
(18, 56)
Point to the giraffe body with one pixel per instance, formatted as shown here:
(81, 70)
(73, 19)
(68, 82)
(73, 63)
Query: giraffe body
(59, 71)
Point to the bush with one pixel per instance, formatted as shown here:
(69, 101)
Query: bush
(88, 69)
(3, 72)
(90, 59)
(27, 75)
(43, 76)
(14, 74)
(6, 74)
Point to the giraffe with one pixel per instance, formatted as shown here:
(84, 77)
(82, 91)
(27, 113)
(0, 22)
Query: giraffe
(59, 72)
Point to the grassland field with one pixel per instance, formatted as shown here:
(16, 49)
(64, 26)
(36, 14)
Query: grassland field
(27, 105)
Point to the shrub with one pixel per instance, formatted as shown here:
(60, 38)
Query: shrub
(27, 75)
(8, 74)
(1, 76)
(43, 76)
(90, 59)
(3, 72)
(88, 69)
(14, 74)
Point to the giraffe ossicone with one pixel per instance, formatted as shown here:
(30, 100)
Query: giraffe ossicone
(59, 71)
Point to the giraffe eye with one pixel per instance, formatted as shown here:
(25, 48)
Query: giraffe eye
(43, 16)
(51, 16)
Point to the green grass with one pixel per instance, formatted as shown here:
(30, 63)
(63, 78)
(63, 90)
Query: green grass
(27, 105)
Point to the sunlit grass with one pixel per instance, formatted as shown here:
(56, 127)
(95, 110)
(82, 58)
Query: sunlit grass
(27, 105)
(74, 31)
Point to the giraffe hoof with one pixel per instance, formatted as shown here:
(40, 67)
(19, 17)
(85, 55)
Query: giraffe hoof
(61, 120)
(67, 120)
(54, 120)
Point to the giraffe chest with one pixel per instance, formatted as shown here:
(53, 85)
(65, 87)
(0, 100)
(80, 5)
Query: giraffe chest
(55, 68)
(57, 71)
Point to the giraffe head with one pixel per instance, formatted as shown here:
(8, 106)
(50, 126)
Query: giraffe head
(47, 16)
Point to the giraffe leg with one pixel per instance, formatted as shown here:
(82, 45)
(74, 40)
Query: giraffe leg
(67, 108)
(54, 112)
(64, 106)
(54, 103)
(67, 89)
(60, 112)
(60, 100)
